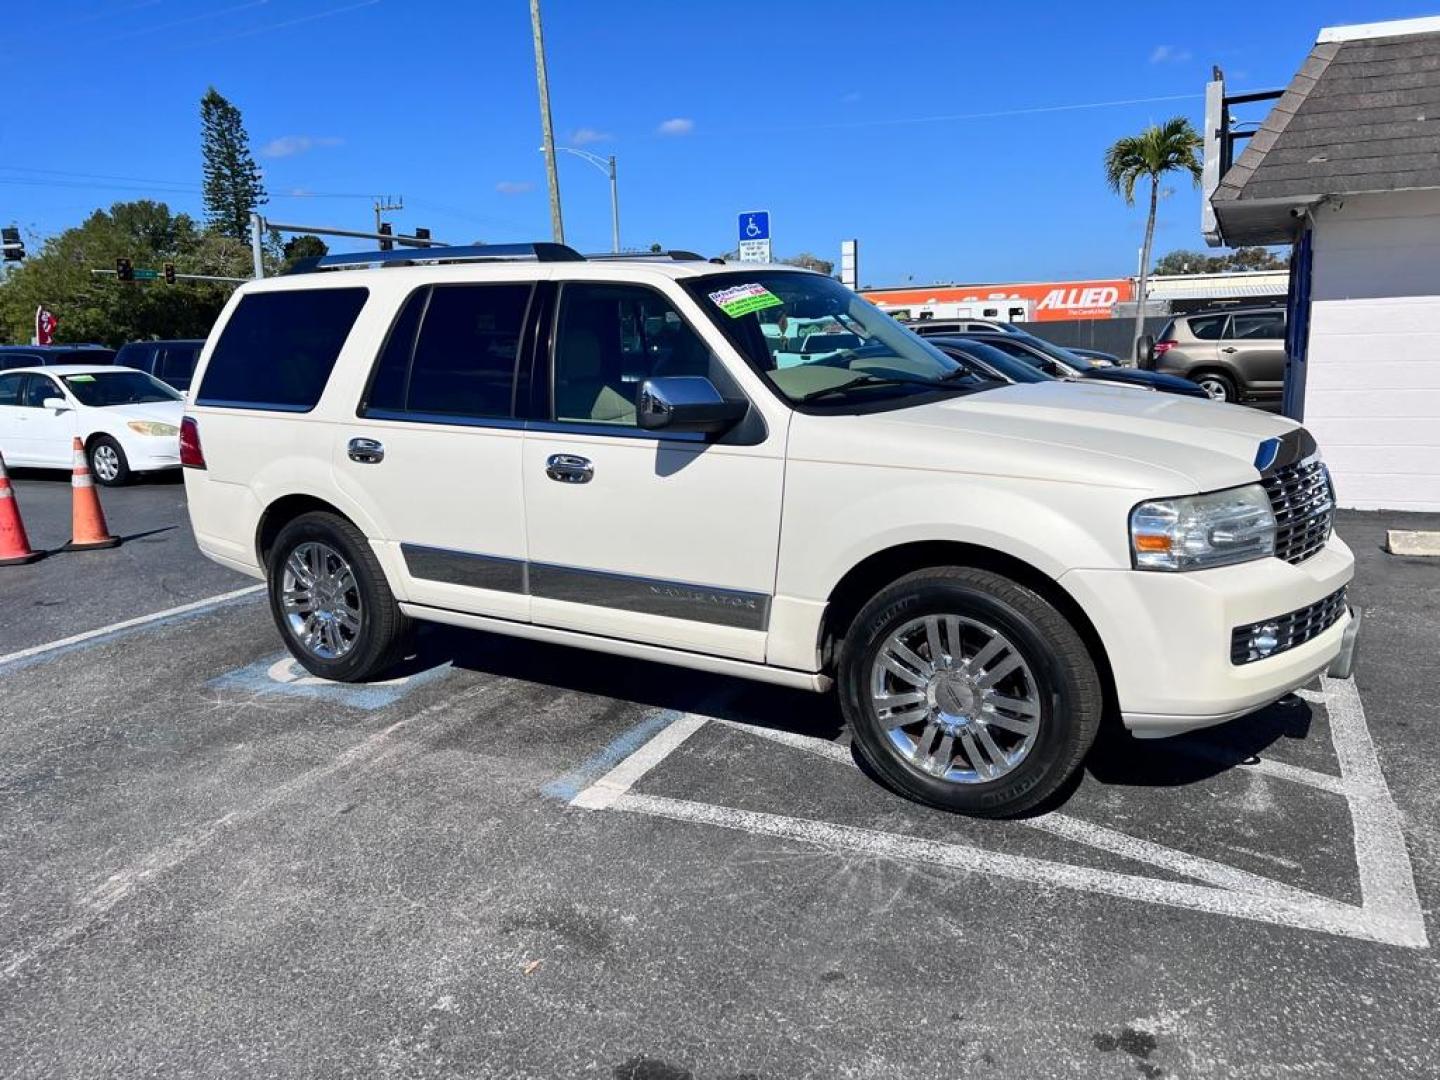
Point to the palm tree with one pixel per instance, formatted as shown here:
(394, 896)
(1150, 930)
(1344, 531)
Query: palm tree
(1159, 149)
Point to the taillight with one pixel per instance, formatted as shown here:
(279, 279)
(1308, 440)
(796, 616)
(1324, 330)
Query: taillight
(191, 456)
(1162, 347)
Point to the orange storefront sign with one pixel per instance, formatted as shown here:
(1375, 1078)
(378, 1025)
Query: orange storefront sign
(1046, 301)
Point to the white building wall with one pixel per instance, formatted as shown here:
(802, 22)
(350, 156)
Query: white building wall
(1372, 394)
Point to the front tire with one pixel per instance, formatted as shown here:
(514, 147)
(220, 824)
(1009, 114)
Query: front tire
(108, 464)
(968, 691)
(331, 602)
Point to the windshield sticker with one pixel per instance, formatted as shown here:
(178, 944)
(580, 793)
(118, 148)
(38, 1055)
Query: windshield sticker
(81, 378)
(744, 299)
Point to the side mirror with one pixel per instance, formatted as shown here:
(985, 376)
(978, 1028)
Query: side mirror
(58, 404)
(686, 403)
(1145, 351)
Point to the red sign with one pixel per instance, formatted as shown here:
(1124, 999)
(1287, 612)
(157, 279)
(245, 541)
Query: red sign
(45, 324)
(1044, 301)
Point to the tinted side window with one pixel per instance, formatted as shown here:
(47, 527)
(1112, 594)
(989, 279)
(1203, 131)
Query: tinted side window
(1264, 325)
(278, 348)
(176, 363)
(10, 389)
(38, 389)
(461, 362)
(1208, 327)
(609, 339)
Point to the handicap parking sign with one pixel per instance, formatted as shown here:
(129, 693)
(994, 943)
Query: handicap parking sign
(755, 225)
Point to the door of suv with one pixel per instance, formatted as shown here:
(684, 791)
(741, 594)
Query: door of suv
(1255, 344)
(635, 534)
(434, 451)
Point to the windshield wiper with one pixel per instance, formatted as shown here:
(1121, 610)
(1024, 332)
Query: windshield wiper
(878, 380)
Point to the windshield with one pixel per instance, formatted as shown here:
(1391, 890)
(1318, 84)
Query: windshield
(1065, 356)
(119, 388)
(995, 359)
(815, 340)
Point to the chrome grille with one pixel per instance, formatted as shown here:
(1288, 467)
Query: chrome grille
(1304, 505)
(1289, 630)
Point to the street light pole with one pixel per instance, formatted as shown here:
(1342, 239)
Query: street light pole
(614, 209)
(606, 166)
(557, 224)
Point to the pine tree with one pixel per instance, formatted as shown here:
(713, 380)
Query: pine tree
(232, 185)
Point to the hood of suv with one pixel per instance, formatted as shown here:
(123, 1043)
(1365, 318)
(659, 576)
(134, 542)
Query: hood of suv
(1080, 432)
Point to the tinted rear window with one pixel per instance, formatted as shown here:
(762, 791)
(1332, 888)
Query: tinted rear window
(277, 350)
(1208, 327)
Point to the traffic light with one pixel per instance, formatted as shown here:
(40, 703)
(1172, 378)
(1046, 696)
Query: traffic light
(14, 246)
(169, 273)
(421, 234)
(124, 269)
(386, 245)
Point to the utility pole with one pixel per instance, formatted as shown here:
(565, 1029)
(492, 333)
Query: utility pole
(552, 176)
(384, 203)
(606, 166)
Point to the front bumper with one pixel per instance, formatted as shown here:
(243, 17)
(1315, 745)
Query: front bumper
(1167, 636)
(149, 453)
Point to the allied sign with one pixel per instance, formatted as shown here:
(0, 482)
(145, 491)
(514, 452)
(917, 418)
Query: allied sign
(754, 230)
(1043, 301)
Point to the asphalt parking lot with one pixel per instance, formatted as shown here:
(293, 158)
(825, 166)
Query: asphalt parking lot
(517, 860)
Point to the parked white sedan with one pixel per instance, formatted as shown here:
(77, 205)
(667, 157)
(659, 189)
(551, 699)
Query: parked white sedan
(128, 421)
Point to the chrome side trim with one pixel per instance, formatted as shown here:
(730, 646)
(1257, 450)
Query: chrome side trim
(599, 588)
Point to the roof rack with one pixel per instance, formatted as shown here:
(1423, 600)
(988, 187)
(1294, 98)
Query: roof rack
(359, 260)
(676, 255)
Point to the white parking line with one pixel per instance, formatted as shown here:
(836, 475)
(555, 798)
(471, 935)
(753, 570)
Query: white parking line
(195, 607)
(1389, 911)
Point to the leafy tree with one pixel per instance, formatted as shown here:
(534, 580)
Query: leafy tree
(99, 308)
(1158, 150)
(304, 246)
(231, 186)
(1199, 262)
(656, 249)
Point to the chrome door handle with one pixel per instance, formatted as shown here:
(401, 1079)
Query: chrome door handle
(569, 468)
(366, 451)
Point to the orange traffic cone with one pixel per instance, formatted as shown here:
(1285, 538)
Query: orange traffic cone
(14, 544)
(88, 529)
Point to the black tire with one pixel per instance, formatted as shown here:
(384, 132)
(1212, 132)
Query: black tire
(1067, 687)
(1218, 385)
(384, 631)
(112, 471)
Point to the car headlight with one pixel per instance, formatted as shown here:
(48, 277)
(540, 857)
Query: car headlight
(1196, 532)
(151, 427)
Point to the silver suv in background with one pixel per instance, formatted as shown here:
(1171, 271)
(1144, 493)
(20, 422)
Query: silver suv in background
(1233, 355)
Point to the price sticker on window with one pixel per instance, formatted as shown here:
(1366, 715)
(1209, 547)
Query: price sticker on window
(745, 299)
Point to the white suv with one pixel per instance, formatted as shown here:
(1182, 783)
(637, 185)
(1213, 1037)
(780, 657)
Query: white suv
(747, 469)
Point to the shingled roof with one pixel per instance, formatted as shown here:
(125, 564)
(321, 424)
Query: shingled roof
(1361, 115)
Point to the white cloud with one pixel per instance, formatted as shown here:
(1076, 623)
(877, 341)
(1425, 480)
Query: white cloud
(679, 125)
(1168, 54)
(850, 98)
(290, 145)
(514, 187)
(585, 136)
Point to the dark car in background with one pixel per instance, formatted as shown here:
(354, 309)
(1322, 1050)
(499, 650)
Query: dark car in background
(172, 362)
(1235, 355)
(935, 327)
(18, 356)
(1062, 364)
(987, 362)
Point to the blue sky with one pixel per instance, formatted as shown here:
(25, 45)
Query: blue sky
(940, 135)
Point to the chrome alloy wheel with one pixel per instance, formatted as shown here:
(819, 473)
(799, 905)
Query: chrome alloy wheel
(956, 698)
(321, 600)
(105, 462)
(1214, 389)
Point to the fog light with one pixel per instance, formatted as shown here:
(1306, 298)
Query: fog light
(1264, 639)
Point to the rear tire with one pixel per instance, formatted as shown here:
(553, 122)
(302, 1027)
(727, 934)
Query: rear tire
(1217, 387)
(331, 602)
(1002, 697)
(108, 464)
